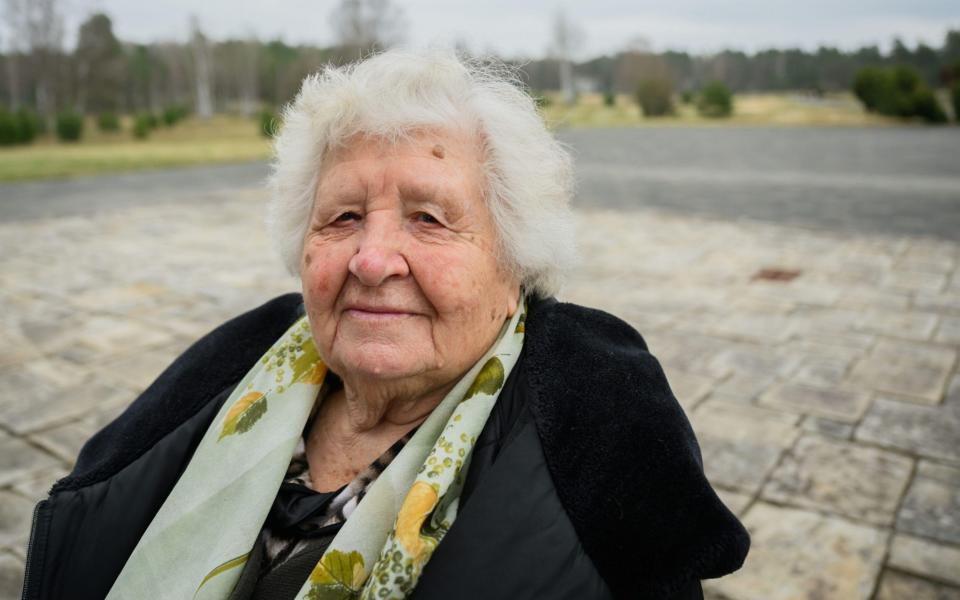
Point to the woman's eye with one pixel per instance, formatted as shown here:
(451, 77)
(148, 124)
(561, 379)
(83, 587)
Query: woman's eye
(427, 219)
(347, 216)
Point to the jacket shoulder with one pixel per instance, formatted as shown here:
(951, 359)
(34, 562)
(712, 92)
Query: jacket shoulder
(217, 360)
(624, 459)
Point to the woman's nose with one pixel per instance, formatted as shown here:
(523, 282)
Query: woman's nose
(378, 258)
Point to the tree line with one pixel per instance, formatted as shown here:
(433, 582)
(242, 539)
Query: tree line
(105, 74)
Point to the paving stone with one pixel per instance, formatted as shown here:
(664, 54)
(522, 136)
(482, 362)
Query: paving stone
(842, 478)
(139, 369)
(930, 431)
(735, 501)
(19, 459)
(16, 514)
(763, 328)
(931, 507)
(949, 331)
(916, 370)
(822, 371)
(744, 388)
(810, 322)
(870, 297)
(926, 558)
(800, 554)
(741, 444)
(900, 324)
(899, 586)
(914, 281)
(752, 360)
(36, 486)
(689, 388)
(828, 427)
(842, 404)
(945, 302)
(42, 403)
(65, 440)
(11, 576)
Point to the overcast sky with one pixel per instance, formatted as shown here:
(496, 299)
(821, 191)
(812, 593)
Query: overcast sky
(522, 28)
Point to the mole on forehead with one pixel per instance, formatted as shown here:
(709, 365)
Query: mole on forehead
(438, 151)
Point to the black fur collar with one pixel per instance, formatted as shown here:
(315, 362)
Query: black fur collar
(623, 457)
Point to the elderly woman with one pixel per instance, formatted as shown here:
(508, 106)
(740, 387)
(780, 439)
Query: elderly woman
(424, 421)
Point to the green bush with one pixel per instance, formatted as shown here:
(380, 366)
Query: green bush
(173, 114)
(924, 104)
(28, 125)
(897, 92)
(955, 100)
(8, 128)
(686, 97)
(69, 126)
(142, 124)
(269, 124)
(609, 99)
(715, 101)
(108, 121)
(654, 95)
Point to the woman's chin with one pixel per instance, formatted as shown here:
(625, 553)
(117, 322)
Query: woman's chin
(381, 363)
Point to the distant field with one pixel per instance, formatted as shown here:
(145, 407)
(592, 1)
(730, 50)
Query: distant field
(233, 139)
(219, 140)
(753, 109)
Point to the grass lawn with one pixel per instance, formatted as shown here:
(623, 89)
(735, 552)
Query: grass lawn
(748, 109)
(194, 141)
(233, 139)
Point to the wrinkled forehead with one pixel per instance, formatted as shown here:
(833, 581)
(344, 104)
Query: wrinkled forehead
(459, 143)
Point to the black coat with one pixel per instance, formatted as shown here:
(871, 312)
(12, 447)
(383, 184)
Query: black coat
(586, 482)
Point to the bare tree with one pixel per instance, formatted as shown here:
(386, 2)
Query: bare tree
(567, 40)
(249, 79)
(202, 70)
(364, 26)
(44, 30)
(15, 17)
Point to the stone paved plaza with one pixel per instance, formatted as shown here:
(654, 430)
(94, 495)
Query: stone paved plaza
(819, 369)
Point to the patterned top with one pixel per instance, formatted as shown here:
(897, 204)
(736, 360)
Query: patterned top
(300, 513)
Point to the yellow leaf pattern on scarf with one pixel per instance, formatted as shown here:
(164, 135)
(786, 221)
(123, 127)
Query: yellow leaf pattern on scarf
(243, 414)
(420, 501)
(488, 381)
(308, 368)
(338, 569)
(226, 566)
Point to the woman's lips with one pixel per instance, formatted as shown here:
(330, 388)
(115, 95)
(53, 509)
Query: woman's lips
(376, 313)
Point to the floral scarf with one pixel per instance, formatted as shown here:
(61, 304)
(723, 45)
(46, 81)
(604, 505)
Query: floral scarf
(204, 532)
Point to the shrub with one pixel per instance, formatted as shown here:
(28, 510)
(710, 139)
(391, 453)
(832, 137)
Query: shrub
(924, 104)
(686, 97)
(69, 126)
(108, 121)
(715, 101)
(173, 114)
(955, 99)
(654, 96)
(609, 99)
(269, 124)
(8, 128)
(142, 125)
(897, 92)
(28, 124)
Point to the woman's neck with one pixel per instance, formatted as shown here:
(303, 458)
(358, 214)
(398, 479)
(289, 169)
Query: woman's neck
(352, 429)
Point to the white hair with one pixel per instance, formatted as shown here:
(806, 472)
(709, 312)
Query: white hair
(528, 172)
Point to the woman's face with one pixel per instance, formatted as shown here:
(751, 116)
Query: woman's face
(400, 276)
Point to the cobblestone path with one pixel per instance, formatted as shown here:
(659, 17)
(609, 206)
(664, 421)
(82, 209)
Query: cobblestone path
(819, 369)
